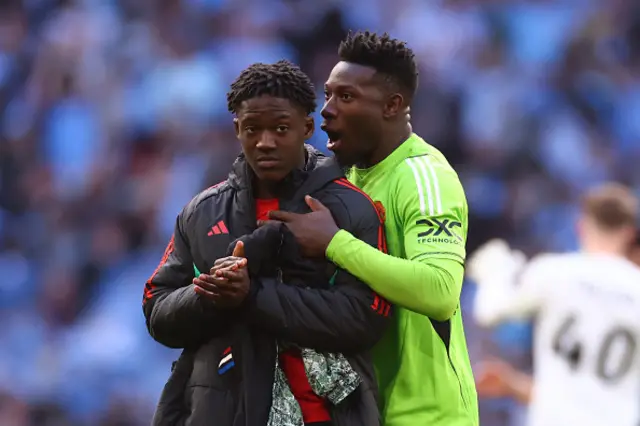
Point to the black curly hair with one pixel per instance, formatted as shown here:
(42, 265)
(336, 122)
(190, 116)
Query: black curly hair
(281, 80)
(388, 56)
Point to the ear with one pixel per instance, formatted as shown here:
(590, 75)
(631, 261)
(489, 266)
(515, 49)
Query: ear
(236, 127)
(309, 127)
(630, 236)
(394, 106)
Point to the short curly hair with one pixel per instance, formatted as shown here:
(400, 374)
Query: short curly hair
(281, 80)
(386, 55)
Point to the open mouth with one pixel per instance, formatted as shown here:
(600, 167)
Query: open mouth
(334, 139)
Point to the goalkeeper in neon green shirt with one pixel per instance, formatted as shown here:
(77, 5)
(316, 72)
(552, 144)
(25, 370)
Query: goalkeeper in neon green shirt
(422, 362)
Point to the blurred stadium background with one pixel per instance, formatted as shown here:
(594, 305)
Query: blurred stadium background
(113, 114)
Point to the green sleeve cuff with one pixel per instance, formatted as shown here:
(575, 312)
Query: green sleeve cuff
(337, 243)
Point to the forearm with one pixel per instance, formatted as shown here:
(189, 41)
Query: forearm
(428, 287)
(179, 318)
(333, 320)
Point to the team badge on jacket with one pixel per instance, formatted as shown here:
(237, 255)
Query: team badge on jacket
(226, 363)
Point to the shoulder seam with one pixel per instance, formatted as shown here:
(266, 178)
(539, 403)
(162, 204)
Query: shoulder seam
(203, 196)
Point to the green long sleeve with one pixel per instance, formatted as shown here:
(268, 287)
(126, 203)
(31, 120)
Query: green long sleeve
(422, 363)
(430, 286)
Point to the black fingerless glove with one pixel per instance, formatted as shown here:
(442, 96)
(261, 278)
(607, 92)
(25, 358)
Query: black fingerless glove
(262, 249)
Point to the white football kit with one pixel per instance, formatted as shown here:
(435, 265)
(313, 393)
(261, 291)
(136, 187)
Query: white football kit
(587, 332)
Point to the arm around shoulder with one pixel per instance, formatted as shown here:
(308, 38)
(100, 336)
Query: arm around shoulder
(426, 276)
(348, 317)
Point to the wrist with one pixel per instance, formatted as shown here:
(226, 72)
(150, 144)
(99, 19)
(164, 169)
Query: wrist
(250, 295)
(339, 239)
(514, 381)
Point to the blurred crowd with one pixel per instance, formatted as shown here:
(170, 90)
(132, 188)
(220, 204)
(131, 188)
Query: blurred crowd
(113, 115)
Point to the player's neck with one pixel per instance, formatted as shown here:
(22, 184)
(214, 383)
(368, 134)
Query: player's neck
(603, 246)
(264, 190)
(389, 143)
(267, 189)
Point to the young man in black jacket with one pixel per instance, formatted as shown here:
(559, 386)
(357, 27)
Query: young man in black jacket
(289, 346)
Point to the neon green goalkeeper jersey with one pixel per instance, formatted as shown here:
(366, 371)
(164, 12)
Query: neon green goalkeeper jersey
(422, 362)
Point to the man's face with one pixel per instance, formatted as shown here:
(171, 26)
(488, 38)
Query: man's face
(353, 112)
(272, 132)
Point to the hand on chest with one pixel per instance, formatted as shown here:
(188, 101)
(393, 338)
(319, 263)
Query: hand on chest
(278, 256)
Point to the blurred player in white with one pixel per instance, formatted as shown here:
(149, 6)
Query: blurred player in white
(587, 311)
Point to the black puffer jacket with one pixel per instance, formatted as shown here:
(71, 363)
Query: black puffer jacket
(225, 374)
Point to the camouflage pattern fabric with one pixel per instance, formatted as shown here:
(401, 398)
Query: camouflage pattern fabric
(330, 376)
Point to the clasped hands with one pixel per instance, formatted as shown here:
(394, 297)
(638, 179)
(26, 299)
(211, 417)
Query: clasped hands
(227, 283)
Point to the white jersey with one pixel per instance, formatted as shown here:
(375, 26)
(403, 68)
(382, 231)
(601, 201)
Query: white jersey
(587, 336)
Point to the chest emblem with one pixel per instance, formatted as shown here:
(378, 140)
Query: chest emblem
(218, 228)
